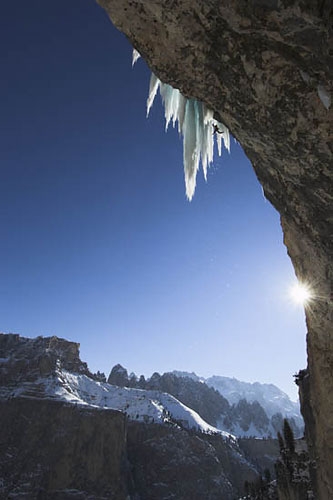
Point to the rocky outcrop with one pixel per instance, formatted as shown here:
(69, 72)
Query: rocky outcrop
(50, 449)
(266, 69)
(23, 359)
(250, 413)
(118, 376)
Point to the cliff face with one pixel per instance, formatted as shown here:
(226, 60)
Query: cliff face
(266, 69)
(24, 360)
(52, 450)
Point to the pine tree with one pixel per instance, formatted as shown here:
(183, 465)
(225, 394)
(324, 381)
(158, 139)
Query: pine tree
(281, 442)
(288, 437)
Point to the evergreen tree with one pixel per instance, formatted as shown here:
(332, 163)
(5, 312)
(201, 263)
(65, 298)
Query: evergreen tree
(281, 442)
(288, 436)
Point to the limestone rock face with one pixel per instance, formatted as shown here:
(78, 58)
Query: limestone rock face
(57, 451)
(51, 449)
(28, 360)
(266, 69)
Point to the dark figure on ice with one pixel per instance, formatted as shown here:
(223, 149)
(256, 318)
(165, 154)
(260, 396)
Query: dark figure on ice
(216, 129)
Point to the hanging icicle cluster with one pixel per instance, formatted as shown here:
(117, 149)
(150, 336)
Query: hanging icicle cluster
(195, 123)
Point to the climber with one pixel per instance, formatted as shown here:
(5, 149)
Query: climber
(216, 129)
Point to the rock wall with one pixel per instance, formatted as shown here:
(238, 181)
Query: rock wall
(27, 360)
(56, 451)
(266, 69)
(51, 450)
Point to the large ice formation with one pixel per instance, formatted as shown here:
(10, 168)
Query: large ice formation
(195, 123)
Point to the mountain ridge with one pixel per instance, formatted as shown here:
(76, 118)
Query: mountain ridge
(243, 416)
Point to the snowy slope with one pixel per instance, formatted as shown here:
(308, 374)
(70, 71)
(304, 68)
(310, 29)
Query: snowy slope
(141, 405)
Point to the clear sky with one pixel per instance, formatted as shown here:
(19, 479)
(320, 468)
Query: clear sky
(98, 242)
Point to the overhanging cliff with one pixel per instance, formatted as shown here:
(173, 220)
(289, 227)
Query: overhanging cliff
(266, 69)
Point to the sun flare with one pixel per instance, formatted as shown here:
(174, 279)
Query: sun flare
(301, 293)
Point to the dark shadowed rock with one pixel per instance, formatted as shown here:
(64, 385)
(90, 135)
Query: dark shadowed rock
(52, 450)
(118, 376)
(24, 359)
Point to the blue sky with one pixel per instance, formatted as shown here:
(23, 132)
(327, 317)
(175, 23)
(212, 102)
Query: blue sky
(98, 242)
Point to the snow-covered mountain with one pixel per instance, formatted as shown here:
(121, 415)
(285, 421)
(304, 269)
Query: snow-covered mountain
(276, 403)
(73, 383)
(67, 434)
(243, 416)
(175, 398)
(138, 404)
(269, 396)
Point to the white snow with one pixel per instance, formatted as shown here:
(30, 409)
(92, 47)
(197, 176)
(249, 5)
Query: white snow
(138, 404)
(270, 397)
(252, 431)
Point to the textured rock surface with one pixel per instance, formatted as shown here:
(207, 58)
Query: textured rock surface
(260, 66)
(28, 360)
(52, 450)
(241, 419)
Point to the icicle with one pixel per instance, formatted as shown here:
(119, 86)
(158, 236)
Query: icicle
(170, 102)
(191, 159)
(135, 56)
(223, 135)
(181, 111)
(196, 124)
(153, 87)
(199, 130)
(207, 139)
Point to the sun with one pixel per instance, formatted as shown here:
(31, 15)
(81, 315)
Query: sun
(301, 293)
